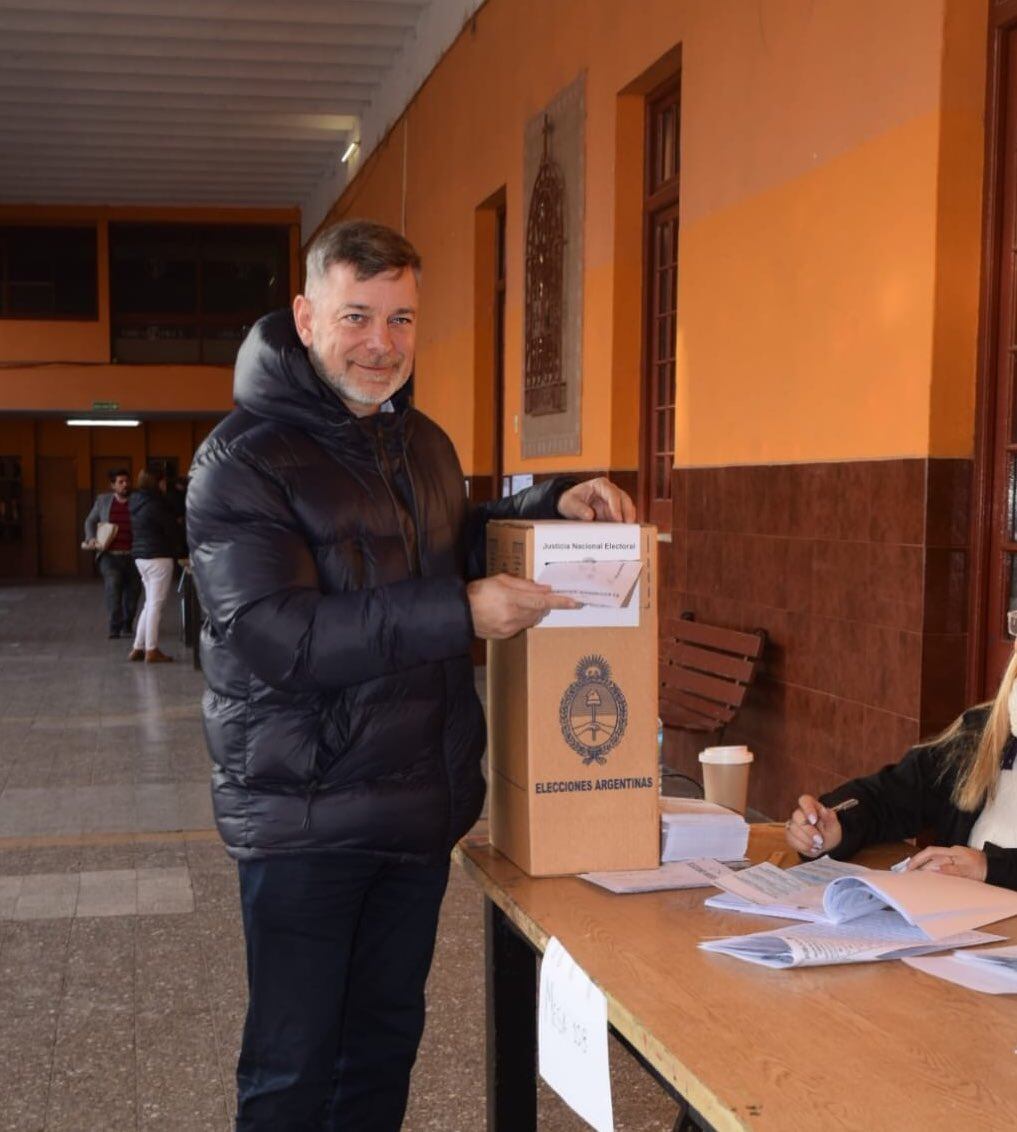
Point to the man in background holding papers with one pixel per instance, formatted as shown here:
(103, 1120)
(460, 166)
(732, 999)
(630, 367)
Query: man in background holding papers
(120, 577)
(331, 545)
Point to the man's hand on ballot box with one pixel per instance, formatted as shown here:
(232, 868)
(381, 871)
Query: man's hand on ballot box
(597, 499)
(502, 606)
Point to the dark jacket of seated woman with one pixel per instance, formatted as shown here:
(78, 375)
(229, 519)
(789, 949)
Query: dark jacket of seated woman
(959, 789)
(915, 796)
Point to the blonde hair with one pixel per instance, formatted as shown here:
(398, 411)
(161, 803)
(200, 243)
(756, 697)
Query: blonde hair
(978, 765)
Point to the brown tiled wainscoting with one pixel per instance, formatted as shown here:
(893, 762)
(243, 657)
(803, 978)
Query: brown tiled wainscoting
(858, 573)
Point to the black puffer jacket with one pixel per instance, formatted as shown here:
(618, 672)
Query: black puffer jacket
(330, 556)
(155, 532)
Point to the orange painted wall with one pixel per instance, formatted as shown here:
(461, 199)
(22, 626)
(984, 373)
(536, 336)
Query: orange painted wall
(135, 389)
(830, 220)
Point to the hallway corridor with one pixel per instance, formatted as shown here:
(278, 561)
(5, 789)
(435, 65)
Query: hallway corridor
(121, 955)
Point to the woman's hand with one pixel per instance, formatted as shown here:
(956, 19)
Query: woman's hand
(955, 861)
(812, 828)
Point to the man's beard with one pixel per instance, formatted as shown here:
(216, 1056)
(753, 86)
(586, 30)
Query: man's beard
(339, 383)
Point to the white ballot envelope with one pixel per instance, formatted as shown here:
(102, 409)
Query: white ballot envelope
(599, 564)
(605, 584)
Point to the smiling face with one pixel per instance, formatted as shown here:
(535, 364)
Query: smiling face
(360, 334)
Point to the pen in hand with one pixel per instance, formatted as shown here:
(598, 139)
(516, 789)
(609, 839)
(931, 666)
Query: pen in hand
(839, 808)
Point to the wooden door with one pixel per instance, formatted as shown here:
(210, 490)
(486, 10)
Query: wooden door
(59, 535)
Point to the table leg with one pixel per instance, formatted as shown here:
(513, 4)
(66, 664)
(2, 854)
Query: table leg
(192, 618)
(511, 978)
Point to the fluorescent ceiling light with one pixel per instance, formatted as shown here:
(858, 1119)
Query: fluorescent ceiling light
(95, 422)
(350, 150)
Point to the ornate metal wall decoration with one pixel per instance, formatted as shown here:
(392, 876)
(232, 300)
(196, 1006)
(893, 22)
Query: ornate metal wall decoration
(554, 178)
(544, 389)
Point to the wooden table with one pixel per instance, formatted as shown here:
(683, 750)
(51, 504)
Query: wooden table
(866, 1047)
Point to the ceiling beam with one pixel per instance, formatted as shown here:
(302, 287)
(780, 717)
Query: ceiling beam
(168, 29)
(236, 105)
(43, 131)
(87, 41)
(70, 63)
(169, 187)
(25, 122)
(339, 94)
(329, 13)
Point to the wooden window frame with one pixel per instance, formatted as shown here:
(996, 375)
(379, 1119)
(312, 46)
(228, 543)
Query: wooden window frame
(660, 203)
(987, 642)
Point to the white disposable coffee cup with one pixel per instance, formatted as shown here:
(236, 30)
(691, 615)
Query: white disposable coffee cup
(726, 776)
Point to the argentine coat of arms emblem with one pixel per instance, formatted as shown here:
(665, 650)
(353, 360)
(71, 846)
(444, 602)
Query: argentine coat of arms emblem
(593, 713)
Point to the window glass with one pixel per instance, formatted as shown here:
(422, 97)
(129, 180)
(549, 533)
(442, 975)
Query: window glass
(48, 272)
(189, 293)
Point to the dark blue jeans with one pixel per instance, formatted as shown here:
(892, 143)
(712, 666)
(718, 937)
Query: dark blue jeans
(122, 584)
(338, 951)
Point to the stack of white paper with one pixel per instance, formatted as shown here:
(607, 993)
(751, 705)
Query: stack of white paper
(691, 828)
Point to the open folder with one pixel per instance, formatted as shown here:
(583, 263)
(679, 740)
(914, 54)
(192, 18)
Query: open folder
(871, 915)
(877, 936)
(936, 904)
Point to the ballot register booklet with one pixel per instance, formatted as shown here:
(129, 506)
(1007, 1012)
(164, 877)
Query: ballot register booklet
(878, 935)
(937, 905)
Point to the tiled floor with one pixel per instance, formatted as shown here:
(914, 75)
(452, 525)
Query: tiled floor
(121, 956)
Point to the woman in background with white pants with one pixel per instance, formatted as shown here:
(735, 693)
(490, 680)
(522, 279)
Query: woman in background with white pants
(155, 539)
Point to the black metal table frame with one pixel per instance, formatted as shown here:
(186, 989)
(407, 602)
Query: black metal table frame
(510, 961)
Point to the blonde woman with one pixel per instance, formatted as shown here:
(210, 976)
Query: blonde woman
(961, 786)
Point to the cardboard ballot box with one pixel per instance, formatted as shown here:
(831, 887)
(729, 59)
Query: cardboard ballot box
(572, 703)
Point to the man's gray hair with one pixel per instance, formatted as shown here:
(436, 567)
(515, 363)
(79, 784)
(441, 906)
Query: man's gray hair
(369, 248)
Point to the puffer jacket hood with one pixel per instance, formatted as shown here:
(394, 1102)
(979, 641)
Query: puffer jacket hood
(331, 554)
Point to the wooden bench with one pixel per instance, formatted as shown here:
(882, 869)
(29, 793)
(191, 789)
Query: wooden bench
(705, 672)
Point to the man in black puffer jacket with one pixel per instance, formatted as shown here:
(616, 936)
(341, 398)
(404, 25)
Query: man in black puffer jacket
(331, 545)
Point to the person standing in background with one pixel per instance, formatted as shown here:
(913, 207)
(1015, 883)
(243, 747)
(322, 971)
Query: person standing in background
(120, 577)
(156, 536)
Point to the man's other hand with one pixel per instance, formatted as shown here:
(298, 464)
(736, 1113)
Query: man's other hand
(502, 606)
(597, 499)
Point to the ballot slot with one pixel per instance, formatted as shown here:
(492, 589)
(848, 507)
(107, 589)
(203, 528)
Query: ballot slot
(598, 564)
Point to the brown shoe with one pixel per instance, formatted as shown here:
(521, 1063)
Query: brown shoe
(136, 654)
(154, 656)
